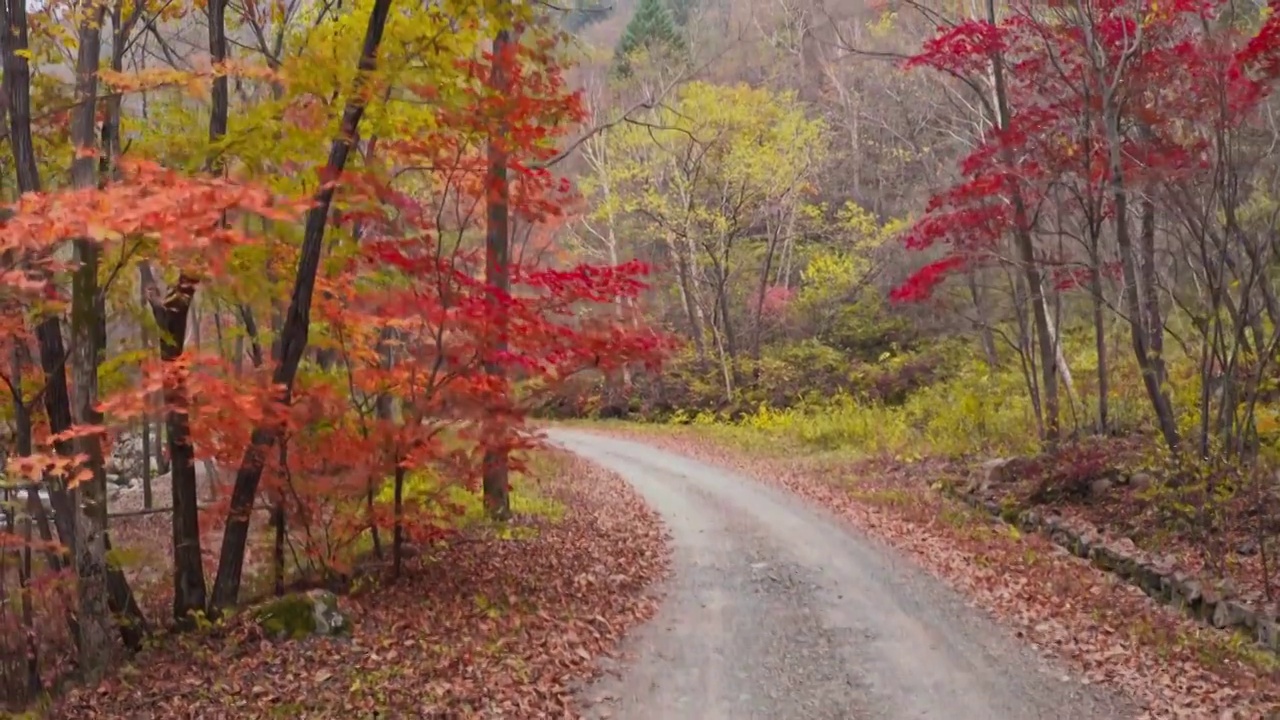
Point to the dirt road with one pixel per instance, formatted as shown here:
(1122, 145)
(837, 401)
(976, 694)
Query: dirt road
(777, 611)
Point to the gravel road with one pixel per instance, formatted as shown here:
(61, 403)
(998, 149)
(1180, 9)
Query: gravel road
(776, 610)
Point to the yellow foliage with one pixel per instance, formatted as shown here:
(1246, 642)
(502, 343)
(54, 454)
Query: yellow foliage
(974, 411)
(717, 154)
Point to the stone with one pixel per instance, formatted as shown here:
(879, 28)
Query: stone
(315, 613)
(994, 472)
(1231, 614)
(1141, 481)
(1195, 596)
(1265, 632)
(1218, 604)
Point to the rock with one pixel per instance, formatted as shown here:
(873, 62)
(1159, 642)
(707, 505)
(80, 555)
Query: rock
(990, 474)
(1217, 603)
(1232, 613)
(1141, 481)
(994, 471)
(297, 616)
(1265, 632)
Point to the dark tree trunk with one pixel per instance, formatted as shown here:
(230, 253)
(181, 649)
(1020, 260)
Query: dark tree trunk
(1100, 337)
(171, 314)
(397, 533)
(226, 587)
(496, 468)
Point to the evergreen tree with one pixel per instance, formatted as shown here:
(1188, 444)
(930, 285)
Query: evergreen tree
(652, 29)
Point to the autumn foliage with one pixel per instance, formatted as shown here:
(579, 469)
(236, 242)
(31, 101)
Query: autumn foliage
(1121, 138)
(416, 365)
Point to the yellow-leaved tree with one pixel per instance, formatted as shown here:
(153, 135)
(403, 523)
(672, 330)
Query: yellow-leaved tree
(714, 176)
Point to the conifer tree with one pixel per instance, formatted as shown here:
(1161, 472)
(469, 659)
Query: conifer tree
(651, 29)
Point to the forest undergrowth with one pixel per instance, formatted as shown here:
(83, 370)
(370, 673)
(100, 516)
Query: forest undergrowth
(497, 621)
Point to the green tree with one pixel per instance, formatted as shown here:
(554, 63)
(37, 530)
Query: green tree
(651, 29)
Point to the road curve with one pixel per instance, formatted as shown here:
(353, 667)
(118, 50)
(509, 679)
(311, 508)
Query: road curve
(776, 610)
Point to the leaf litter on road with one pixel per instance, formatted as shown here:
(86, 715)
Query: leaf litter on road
(487, 627)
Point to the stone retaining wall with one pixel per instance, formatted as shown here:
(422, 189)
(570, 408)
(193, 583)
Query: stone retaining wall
(1212, 602)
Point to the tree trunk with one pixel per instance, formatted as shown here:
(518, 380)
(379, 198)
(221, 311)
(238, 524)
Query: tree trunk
(147, 497)
(1138, 303)
(171, 313)
(22, 430)
(382, 412)
(1060, 358)
(397, 531)
(277, 550)
(761, 291)
(688, 297)
(982, 323)
(497, 500)
(226, 587)
(1099, 336)
(1030, 267)
(96, 648)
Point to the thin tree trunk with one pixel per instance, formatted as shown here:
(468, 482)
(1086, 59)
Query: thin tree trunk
(1138, 303)
(1100, 337)
(397, 532)
(688, 297)
(982, 323)
(226, 588)
(382, 411)
(762, 290)
(1060, 358)
(1030, 265)
(148, 498)
(22, 428)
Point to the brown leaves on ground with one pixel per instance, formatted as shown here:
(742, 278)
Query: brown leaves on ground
(481, 627)
(1109, 631)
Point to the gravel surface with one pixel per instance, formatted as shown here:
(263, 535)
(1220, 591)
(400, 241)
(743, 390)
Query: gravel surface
(775, 610)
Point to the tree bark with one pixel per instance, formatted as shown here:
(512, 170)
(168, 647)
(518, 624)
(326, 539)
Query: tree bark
(1030, 265)
(96, 648)
(496, 469)
(23, 448)
(1139, 302)
(1100, 338)
(689, 298)
(293, 337)
(171, 314)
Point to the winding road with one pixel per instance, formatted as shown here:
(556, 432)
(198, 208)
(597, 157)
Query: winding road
(776, 610)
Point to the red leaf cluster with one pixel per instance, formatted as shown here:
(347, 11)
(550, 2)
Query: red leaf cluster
(1174, 74)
